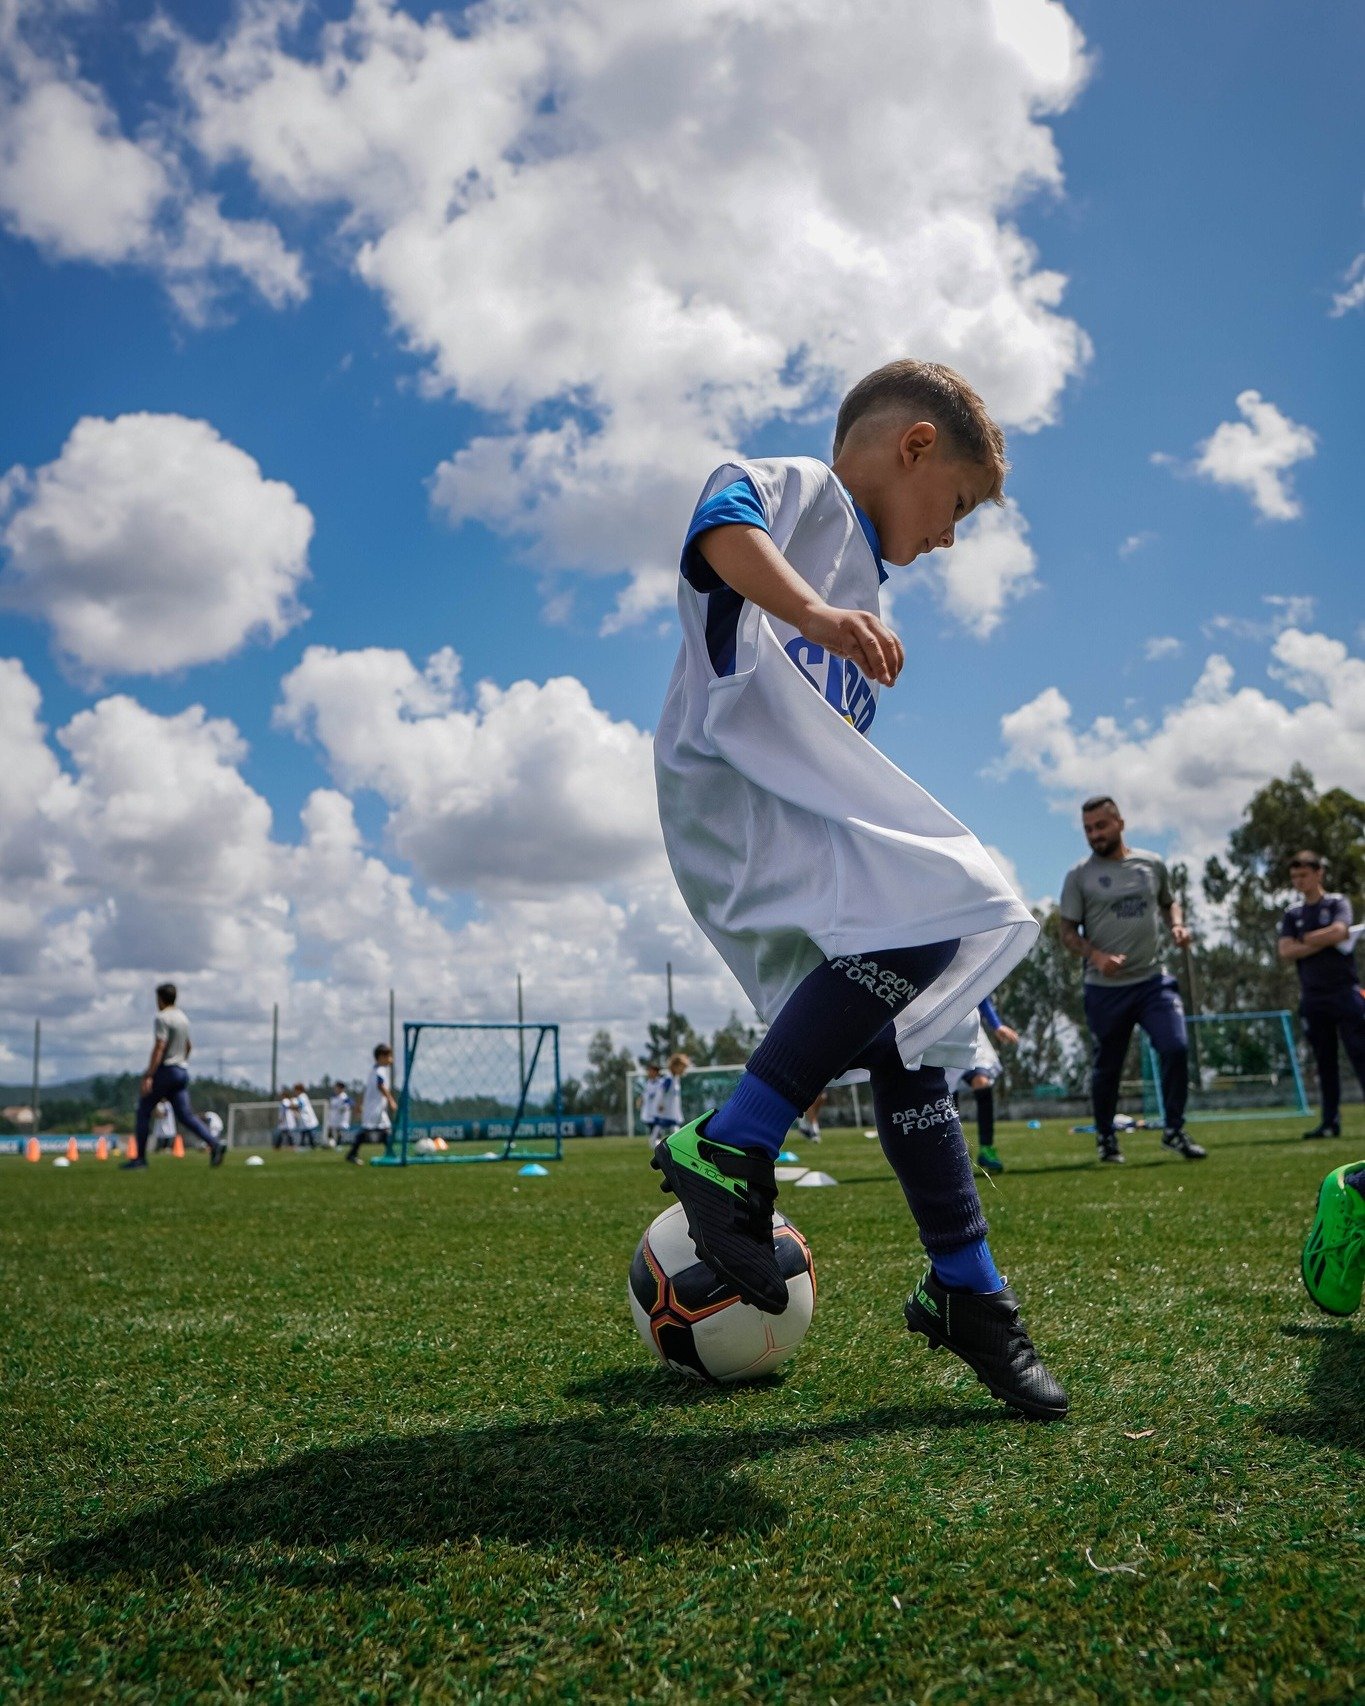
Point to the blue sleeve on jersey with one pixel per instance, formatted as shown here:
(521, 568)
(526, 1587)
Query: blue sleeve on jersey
(1288, 924)
(989, 1014)
(734, 505)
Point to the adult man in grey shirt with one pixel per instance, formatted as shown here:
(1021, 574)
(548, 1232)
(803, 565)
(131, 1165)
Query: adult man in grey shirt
(167, 1079)
(1111, 910)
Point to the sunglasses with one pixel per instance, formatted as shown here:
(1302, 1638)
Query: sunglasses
(1304, 865)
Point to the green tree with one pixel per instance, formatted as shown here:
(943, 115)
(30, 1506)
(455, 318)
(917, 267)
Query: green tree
(1240, 968)
(1041, 999)
(604, 1083)
(733, 1043)
(657, 1050)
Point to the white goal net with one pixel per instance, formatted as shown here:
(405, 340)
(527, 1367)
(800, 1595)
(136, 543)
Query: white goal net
(251, 1125)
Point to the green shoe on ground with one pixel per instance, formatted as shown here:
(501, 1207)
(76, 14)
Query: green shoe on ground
(1334, 1255)
(988, 1156)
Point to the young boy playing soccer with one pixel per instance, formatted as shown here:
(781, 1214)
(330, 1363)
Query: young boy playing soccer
(864, 922)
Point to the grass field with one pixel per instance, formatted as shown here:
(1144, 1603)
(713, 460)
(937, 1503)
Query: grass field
(309, 1431)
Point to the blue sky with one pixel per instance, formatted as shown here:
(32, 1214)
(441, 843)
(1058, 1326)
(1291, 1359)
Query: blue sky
(1205, 208)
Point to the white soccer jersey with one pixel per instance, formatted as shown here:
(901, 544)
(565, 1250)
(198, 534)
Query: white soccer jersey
(339, 1112)
(213, 1123)
(984, 1059)
(288, 1121)
(791, 837)
(308, 1120)
(163, 1124)
(649, 1100)
(670, 1099)
(374, 1110)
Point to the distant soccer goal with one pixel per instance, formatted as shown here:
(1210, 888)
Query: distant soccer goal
(1242, 1066)
(252, 1124)
(475, 1092)
(703, 1088)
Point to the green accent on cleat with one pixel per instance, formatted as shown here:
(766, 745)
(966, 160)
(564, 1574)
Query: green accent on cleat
(988, 1156)
(682, 1146)
(1333, 1264)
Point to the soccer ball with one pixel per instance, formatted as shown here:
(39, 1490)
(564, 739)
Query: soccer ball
(696, 1324)
(424, 1146)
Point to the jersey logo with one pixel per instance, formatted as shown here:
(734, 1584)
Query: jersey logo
(840, 681)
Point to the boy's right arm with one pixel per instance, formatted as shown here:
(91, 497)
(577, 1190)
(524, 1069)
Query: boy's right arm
(746, 559)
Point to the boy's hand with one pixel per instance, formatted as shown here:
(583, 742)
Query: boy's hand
(746, 559)
(860, 636)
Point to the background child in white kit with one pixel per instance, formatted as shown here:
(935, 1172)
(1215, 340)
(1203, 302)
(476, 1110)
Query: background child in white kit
(377, 1103)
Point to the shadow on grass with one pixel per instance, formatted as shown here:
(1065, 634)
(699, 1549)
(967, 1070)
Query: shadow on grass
(587, 1482)
(1335, 1412)
(658, 1388)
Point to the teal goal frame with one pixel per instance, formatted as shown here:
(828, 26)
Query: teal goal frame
(535, 1040)
(1155, 1103)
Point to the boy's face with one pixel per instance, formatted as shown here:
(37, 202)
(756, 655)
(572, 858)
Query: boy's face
(933, 491)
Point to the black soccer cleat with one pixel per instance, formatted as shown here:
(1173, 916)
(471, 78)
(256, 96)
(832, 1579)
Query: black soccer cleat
(1182, 1144)
(218, 1154)
(1328, 1128)
(727, 1195)
(1108, 1148)
(987, 1333)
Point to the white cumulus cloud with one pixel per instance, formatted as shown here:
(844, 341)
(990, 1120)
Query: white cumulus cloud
(1161, 646)
(80, 189)
(151, 543)
(991, 565)
(132, 847)
(1352, 292)
(1255, 455)
(521, 790)
(634, 234)
(1192, 774)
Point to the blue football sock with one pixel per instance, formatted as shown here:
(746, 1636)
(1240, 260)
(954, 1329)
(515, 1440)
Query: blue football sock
(755, 1117)
(972, 1268)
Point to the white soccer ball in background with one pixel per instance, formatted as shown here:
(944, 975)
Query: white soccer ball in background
(424, 1146)
(696, 1324)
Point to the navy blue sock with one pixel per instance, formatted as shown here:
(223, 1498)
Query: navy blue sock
(972, 1268)
(755, 1117)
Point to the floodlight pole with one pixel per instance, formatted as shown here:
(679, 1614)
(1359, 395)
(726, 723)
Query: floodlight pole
(274, 1047)
(1194, 1011)
(521, 1034)
(37, 1056)
(393, 1034)
(672, 1044)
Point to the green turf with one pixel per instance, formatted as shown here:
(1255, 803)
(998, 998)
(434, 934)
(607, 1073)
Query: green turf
(309, 1431)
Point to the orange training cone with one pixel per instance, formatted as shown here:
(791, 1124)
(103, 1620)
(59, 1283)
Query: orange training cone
(132, 1148)
(72, 1150)
(178, 1147)
(32, 1151)
(101, 1148)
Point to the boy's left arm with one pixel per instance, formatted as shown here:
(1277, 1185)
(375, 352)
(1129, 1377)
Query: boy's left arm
(746, 559)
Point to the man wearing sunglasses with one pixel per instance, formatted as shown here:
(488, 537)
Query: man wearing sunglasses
(1317, 935)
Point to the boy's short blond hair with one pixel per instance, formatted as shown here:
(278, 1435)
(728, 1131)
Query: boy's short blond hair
(678, 1063)
(926, 390)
